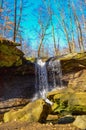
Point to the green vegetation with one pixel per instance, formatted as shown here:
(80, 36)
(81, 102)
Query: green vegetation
(31, 59)
(68, 101)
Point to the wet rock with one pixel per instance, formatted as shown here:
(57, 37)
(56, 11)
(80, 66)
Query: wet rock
(32, 112)
(65, 120)
(80, 122)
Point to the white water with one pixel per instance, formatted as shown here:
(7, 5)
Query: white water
(56, 74)
(41, 77)
(41, 85)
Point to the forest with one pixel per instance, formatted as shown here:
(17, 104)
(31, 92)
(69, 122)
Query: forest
(42, 64)
(44, 28)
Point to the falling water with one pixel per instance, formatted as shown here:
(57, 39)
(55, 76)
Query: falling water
(41, 76)
(55, 74)
(41, 85)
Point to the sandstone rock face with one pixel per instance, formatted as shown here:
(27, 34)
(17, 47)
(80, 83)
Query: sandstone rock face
(32, 112)
(80, 122)
(73, 62)
(17, 78)
(73, 70)
(14, 103)
(77, 81)
(16, 90)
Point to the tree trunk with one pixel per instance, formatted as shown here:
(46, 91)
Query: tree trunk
(15, 12)
(54, 40)
(79, 31)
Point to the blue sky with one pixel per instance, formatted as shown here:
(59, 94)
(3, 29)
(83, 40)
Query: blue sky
(32, 24)
(31, 16)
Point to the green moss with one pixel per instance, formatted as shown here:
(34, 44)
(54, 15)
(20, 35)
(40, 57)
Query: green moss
(10, 60)
(9, 54)
(60, 105)
(10, 50)
(31, 59)
(78, 109)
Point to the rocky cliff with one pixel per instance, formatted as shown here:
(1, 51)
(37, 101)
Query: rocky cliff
(16, 76)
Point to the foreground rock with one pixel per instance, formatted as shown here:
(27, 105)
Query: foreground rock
(77, 103)
(80, 122)
(67, 101)
(66, 119)
(32, 112)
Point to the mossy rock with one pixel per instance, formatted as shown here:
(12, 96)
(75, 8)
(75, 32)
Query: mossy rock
(10, 55)
(73, 62)
(56, 94)
(61, 103)
(12, 60)
(74, 103)
(10, 50)
(68, 101)
(31, 59)
(77, 103)
(32, 112)
(60, 99)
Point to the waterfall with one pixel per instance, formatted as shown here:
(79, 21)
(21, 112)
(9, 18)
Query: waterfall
(55, 74)
(42, 84)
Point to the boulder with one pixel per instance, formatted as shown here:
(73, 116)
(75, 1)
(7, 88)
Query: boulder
(66, 101)
(53, 95)
(60, 100)
(80, 122)
(32, 112)
(77, 103)
(66, 119)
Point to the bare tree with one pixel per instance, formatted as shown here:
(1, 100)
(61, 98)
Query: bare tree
(15, 19)
(79, 30)
(6, 23)
(1, 17)
(43, 29)
(1, 6)
(63, 25)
